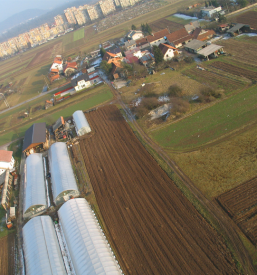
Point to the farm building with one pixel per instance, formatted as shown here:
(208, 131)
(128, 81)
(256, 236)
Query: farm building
(194, 46)
(58, 124)
(168, 51)
(35, 201)
(81, 82)
(41, 248)
(211, 51)
(178, 38)
(35, 136)
(88, 248)
(64, 185)
(82, 126)
(6, 161)
(238, 28)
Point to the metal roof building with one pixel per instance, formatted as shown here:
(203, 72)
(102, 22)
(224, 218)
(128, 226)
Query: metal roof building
(34, 187)
(63, 181)
(88, 248)
(211, 49)
(82, 126)
(34, 136)
(41, 248)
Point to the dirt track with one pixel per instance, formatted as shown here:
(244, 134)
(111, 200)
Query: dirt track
(153, 227)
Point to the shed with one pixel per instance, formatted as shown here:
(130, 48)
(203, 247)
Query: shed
(35, 201)
(41, 248)
(87, 245)
(58, 124)
(64, 185)
(237, 28)
(82, 126)
(194, 46)
(34, 136)
(210, 50)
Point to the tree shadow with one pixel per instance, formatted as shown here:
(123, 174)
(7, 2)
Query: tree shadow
(43, 70)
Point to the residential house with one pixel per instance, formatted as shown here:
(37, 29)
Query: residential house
(168, 51)
(57, 64)
(108, 56)
(134, 35)
(201, 34)
(192, 26)
(6, 161)
(135, 52)
(130, 44)
(142, 43)
(81, 82)
(70, 68)
(210, 11)
(115, 50)
(94, 78)
(157, 38)
(178, 38)
(147, 59)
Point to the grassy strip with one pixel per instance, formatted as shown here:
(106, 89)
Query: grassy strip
(179, 20)
(89, 103)
(79, 34)
(210, 123)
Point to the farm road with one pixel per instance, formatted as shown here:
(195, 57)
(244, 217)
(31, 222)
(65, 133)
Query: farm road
(226, 225)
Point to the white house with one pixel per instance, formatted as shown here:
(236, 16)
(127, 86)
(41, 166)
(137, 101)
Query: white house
(134, 35)
(57, 64)
(210, 11)
(168, 51)
(6, 161)
(81, 82)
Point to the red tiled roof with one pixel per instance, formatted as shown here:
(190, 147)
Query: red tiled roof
(157, 35)
(55, 70)
(131, 59)
(179, 36)
(108, 56)
(57, 61)
(5, 156)
(164, 48)
(206, 35)
(54, 77)
(141, 41)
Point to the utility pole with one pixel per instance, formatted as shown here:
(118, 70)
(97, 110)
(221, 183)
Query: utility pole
(5, 101)
(46, 82)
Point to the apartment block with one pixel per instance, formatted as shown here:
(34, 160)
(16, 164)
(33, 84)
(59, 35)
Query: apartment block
(117, 3)
(44, 30)
(92, 13)
(23, 40)
(35, 36)
(125, 3)
(5, 49)
(13, 44)
(81, 16)
(107, 6)
(59, 20)
(69, 13)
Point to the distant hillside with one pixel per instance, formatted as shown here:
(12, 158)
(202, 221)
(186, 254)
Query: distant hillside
(20, 17)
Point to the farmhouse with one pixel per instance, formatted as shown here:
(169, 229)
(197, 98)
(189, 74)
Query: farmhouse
(64, 185)
(134, 35)
(201, 34)
(210, 51)
(142, 43)
(35, 137)
(35, 201)
(194, 46)
(168, 51)
(157, 38)
(178, 38)
(6, 161)
(81, 82)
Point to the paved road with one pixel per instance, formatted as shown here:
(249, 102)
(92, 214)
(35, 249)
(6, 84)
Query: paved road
(31, 99)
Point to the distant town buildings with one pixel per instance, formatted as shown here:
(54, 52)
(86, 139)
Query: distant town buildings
(81, 16)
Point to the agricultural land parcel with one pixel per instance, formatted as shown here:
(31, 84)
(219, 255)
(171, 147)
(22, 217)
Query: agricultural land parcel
(7, 255)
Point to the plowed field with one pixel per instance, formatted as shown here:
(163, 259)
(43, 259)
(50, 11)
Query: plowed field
(152, 227)
(164, 23)
(234, 70)
(241, 205)
(7, 250)
(249, 18)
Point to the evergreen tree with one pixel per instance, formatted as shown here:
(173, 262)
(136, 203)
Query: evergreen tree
(148, 29)
(133, 27)
(158, 55)
(143, 28)
(206, 4)
(102, 52)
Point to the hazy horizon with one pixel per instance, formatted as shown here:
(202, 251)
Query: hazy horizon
(12, 7)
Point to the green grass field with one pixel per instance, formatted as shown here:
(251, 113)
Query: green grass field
(79, 34)
(89, 103)
(210, 123)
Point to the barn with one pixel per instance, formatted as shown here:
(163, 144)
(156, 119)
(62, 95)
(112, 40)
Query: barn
(87, 245)
(82, 126)
(41, 248)
(35, 201)
(64, 185)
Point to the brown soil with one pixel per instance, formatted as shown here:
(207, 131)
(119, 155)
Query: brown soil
(241, 205)
(249, 18)
(7, 255)
(152, 227)
(164, 23)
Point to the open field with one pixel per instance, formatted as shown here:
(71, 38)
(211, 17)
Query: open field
(178, 20)
(79, 34)
(211, 123)
(234, 70)
(153, 228)
(249, 17)
(65, 109)
(241, 50)
(164, 23)
(7, 254)
(241, 205)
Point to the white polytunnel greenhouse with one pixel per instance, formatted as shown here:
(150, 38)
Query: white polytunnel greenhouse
(41, 248)
(64, 184)
(81, 123)
(35, 201)
(89, 250)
